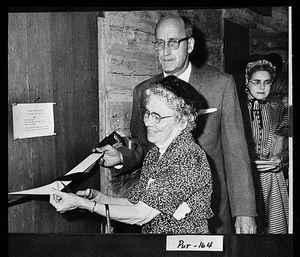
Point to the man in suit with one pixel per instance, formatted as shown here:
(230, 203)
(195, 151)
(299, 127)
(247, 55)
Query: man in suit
(222, 138)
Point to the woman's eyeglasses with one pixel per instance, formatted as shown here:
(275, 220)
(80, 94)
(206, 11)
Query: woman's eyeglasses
(258, 83)
(155, 116)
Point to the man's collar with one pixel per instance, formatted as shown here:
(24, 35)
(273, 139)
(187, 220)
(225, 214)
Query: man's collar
(185, 75)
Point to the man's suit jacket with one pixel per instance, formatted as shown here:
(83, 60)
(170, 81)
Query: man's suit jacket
(223, 140)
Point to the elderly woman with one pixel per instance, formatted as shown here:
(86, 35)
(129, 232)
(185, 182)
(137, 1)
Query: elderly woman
(173, 194)
(268, 149)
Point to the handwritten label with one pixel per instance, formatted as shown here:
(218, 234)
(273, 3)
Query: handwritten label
(194, 243)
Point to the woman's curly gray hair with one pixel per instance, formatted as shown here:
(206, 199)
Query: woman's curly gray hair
(184, 111)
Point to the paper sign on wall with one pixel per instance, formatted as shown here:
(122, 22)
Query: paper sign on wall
(33, 120)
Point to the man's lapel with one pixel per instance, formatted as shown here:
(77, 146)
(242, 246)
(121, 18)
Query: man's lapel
(155, 79)
(160, 77)
(195, 78)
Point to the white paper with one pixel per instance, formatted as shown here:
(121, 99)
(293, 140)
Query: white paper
(194, 243)
(33, 120)
(85, 166)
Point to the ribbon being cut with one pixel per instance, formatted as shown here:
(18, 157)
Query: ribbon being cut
(84, 167)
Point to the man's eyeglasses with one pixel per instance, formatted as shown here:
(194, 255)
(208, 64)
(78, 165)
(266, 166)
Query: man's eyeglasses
(257, 83)
(155, 116)
(173, 43)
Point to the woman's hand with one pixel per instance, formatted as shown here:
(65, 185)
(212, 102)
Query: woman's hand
(64, 201)
(112, 156)
(273, 164)
(276, 159)
(92, 194)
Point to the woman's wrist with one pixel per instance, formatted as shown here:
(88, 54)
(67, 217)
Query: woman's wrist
(121, 158)
(93, 207)
(84, 203)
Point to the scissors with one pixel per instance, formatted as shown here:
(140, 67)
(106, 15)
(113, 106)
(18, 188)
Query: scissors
(66, 187)
(70, 191)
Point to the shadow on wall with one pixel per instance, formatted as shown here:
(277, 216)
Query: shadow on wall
(200, 53)
(280, 88)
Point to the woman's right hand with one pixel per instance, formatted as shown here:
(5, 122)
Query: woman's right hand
(112, 156)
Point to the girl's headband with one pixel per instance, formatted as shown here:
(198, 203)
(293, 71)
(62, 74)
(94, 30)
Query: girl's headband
(250, 65)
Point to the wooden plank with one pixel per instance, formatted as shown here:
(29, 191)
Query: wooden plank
(40, 84)
(19, 166)
(103, 71)
(75, 91)
(103, 37)
(126, 58)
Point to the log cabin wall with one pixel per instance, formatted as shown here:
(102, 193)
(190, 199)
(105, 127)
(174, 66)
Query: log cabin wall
(126, 58)
(52, 57)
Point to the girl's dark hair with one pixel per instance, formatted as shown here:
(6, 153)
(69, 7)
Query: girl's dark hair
(263, 67)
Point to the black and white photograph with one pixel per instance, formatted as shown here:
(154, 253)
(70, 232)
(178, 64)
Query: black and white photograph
(150, 131)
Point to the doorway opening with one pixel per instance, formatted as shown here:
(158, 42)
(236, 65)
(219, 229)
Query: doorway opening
(236, 51)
